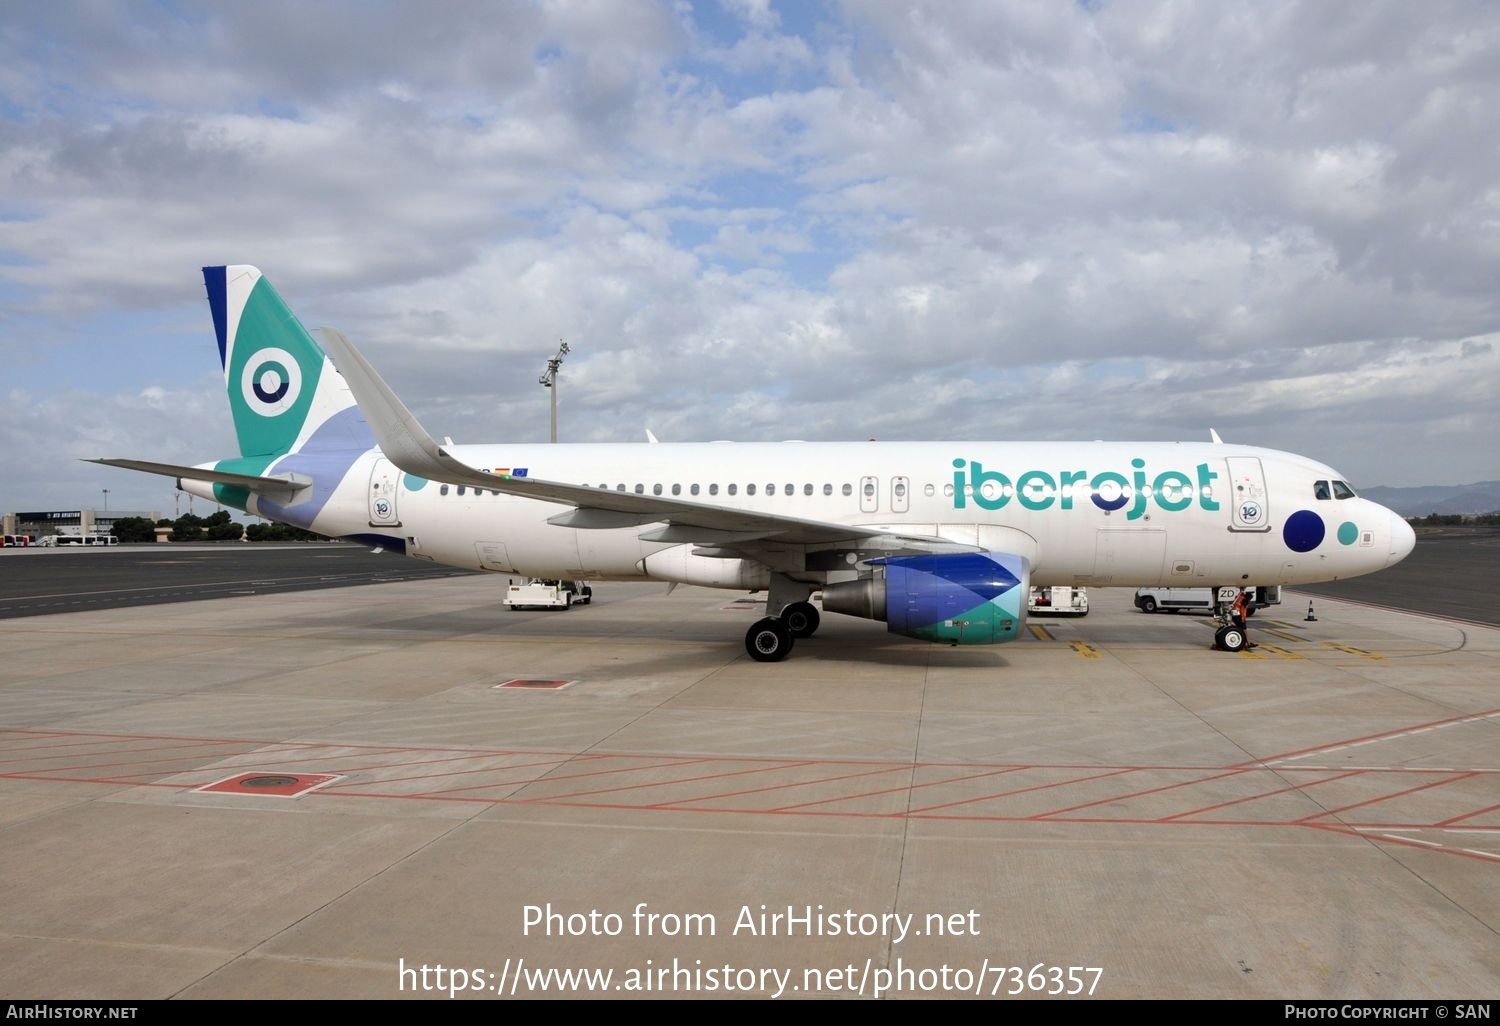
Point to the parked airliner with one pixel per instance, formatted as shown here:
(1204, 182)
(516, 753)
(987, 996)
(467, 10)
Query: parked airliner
(940, 540)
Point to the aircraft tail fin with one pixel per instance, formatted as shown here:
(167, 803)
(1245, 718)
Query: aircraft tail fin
(283, 390)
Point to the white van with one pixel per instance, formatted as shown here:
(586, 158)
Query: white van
(1151, 600)
(1172, 600)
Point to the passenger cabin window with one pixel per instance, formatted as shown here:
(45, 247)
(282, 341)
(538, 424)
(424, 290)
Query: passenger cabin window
(460, 489)
(443, 490)
(733, 489)
(828, 489)
(848, 489)
(713, 489)
(807, 489)
(677, 489)
(770, 489)
(693, 490)
(1320, 490)
(1342, 491)
(656, 489)
(749, 489)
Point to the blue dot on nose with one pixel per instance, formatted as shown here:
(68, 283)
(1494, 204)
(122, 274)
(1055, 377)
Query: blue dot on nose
(1303, 531)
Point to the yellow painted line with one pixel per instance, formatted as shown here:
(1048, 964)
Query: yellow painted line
(1283, 653)
(1245, 653)
(1282, 634)
(1041, 633)
(1352, 650)
(1084, 649)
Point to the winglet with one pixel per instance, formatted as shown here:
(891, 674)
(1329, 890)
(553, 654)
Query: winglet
(1215, 436)
(401, 438)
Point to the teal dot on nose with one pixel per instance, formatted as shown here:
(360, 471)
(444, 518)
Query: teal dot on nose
(1348, 533)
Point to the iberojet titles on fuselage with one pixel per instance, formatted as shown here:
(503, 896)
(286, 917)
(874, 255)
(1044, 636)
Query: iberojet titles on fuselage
(1170, 490)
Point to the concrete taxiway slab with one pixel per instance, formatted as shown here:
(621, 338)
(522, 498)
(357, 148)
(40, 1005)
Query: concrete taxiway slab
(1316, 818)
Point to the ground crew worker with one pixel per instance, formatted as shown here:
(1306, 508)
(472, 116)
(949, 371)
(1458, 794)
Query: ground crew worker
(1242, 610)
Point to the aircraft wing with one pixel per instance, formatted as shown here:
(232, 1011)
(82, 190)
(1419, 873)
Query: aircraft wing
(408, 445)
(281, 487)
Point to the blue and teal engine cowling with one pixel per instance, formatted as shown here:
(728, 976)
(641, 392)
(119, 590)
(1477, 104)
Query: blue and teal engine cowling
(970, 598)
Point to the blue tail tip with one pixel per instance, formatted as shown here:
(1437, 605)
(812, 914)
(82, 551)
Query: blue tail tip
(214, 281)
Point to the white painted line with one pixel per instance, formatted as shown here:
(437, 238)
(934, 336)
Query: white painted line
(1386, 737)
(1415, 840)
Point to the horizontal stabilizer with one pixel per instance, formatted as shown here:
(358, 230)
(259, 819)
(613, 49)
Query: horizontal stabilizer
(281, 487)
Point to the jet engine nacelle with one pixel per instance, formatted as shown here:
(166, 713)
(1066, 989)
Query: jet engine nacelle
(971, 598)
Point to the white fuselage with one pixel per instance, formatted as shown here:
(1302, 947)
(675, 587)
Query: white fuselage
(1084, 513)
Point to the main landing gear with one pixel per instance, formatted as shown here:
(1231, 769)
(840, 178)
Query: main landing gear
(770, 640)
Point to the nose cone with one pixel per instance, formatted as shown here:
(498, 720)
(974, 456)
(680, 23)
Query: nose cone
(1403, 540)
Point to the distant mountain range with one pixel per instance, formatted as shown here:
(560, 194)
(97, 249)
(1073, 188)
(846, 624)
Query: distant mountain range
(1481, 497)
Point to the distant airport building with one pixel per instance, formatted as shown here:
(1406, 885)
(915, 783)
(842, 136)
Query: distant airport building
(70, 521)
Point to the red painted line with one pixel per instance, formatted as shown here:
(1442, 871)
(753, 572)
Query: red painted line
(433, 797)
(47, 745)
(779, 787)
(1140, 794)
(665, 783)
(623, 755)
(387, 765)
(1257, 797)
(1373, 737)
(908, 789)
(196, 759)
(566, 776)
(1386, 797)
(319, 744)
(462, 773)
(119, 751)
(1022, 790)
(1470, 815)
(91, 780)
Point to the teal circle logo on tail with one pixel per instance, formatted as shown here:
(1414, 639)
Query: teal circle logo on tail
(273, 367)
(271, 382)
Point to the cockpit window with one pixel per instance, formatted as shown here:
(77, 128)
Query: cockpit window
(1342, 490)
(1320, 490)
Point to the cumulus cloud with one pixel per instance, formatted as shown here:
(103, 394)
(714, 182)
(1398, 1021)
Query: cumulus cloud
(757, 220)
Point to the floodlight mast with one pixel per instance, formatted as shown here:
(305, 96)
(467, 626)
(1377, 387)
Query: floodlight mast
(549, 380)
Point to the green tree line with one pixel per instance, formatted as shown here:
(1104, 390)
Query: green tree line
(214, 527)
(1455, 520)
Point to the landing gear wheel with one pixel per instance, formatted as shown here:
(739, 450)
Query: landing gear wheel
(768, 640)
(1230, 639)
(801, 618)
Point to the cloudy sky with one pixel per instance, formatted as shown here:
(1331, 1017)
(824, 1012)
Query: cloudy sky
(758, 220)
